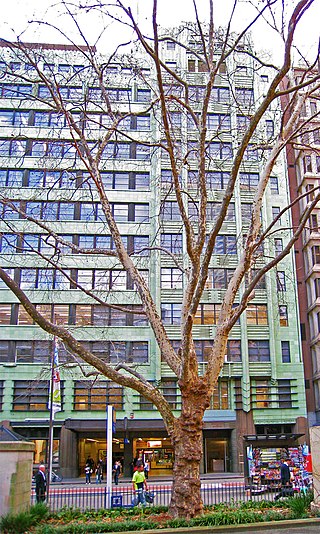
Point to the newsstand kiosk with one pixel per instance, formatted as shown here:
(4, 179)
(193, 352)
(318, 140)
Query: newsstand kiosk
(264, 454)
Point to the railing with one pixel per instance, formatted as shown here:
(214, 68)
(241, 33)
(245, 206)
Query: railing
(95, 497)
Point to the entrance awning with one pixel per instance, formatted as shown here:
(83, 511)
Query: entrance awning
(272, 437)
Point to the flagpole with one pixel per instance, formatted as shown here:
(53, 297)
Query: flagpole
(50, 451)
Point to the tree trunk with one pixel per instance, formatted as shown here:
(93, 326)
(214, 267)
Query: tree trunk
(186, 438)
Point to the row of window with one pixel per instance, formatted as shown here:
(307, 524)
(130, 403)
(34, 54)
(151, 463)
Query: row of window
(74, 93)
(76, 314)
(72, 179)
(66, 68)
(91, 121)
(65, 149)
(70, 211)
(97, 395)
(215, 180)
(33, 243)
(126, 315)
(40, 352)
(102, 279)
(263, 395)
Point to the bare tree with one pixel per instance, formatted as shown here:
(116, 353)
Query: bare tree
(99, 128)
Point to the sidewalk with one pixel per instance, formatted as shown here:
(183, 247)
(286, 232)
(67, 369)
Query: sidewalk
(162, 479)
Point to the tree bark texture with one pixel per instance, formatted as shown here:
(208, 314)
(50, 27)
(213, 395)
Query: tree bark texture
(186, 439)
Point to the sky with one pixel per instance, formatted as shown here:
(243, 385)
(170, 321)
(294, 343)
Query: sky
(16, 18)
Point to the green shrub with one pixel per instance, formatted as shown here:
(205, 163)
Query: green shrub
(19, 523)
(83, 528)
(299, 505)
(273, 515)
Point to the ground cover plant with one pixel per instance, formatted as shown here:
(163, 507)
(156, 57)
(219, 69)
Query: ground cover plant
(39, 520)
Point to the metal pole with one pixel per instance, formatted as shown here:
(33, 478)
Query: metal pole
(109, 453)
(50, 451)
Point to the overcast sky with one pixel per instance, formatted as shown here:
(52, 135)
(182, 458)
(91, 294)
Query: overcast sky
(15, 20)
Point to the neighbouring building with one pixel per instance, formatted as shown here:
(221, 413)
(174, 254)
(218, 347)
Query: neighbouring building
(260, 396)
(304, 171)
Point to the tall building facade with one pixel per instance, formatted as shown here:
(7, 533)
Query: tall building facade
(304, 168)
(260, 394)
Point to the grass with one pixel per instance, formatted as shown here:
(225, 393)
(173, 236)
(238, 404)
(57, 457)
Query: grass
(39, 520)
(23, 521)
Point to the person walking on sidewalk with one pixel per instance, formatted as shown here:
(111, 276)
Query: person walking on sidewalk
(139, 483)
(41, 484)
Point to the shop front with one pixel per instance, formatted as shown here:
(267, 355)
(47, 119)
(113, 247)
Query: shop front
(157, 452)
(264, 455)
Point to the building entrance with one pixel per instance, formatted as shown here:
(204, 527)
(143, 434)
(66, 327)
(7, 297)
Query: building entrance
(157, 451)
(96, 449)
(217, 455)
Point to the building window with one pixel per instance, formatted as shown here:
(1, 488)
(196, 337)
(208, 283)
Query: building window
(218, 122)
(285, 393)
(145, 404)
(233, 350)
(257, 314)
(278, 246)
(225, 244)
(171, 313)
(6, 352)
(203, 348)
(218, 278)
(283, 315)
(219, 150)
(97, 396)
(274, 185)
(314, 222)
(259, 351)
(307, 164)
(281, 281)
(220, 94)
(8, 90)
(261, 284)
(317, 287)
(5, 314)
(169, 391)
(1, 394)
(220, 396)
(170, 211)
(248, 181)
(315, 255)
(269, 129)
(207, 314)
(143, 95)
(171, 278)
(244, 96)
(172, 243)
(33, 351)
(30, 395)
(285, 352)
(262, 390)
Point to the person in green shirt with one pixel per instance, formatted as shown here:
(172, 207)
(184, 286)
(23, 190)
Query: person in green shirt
(139, 482)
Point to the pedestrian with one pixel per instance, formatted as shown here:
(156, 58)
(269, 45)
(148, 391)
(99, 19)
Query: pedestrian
(99, 473)
(88, 473)
(41, 484)
(285, 474)
(286, 486)
(90, 462)
(139, 483)
(116, 472)
(146, 469)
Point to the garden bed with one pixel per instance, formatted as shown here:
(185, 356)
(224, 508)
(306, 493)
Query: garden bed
(39, 520)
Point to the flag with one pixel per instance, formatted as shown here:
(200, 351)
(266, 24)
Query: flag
(56, 390)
